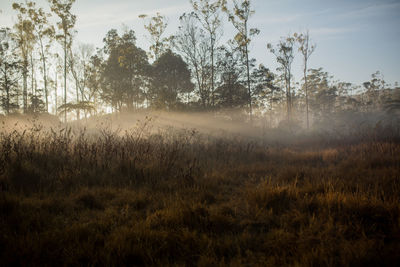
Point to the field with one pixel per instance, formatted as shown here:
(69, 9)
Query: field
(73, 196)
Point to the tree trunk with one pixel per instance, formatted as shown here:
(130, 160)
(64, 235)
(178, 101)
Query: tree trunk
(287, 96)
(32, 77)
(65, 75)
(25, 84)
(306, 89)
(248, 84)
(55, 92)
(44, 76)
(212, 71)
(78, 116)
(290, 95)
(7, 88)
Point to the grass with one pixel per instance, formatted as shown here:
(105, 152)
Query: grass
(182, 198)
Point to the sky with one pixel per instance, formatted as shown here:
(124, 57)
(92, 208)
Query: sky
(354, 38)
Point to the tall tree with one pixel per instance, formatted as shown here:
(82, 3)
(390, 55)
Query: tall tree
(208, 14)
(239, 17)
(191, 43)
(58, 68)
(264, 90)
(171, 79)
(230, 94)
(94, 71)
(373, 89)
(156, 27)
(62, 8)
(263, 87)
(44, 33)
(322, 93)
(78, 64)
(306, 49)
(125, 70)
(284, 56)
(24, 35)
(9, 71)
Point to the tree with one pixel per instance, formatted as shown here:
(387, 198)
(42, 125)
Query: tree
(9, 71)
(306, 49)
(156, 27)
(263, 87)
(24, 35)
(231, 93)
(82, 106)
(125, 72)
(171, 79)
(240, 18)
(78, 63)
(44, 33)
(208, 14)
(373, 89)
(58, 68)
(94, 71)
(62, 8)
(346, 98)
(192, 44)
(322, 93)
(284, 56)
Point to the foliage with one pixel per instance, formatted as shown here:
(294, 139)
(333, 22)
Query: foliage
(156, 27)
(10, 68)
(208, 14)
(82, 105)
(284, 56)
(231, 93)
(170, 80)
(306, 48)
(125, 70)
(239, 17)
(24, 36)
(120, 75)
(192, 44)
(323, 93)
(62, 8)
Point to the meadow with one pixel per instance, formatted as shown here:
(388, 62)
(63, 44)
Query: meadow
(181, 197)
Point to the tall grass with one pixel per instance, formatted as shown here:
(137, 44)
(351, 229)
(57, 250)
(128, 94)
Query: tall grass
(105, 197)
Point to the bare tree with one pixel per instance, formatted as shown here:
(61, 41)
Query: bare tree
(191, 43)
(78, 62)
(208, 14)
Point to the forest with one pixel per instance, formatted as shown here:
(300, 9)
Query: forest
(190, 152)
(43, 70)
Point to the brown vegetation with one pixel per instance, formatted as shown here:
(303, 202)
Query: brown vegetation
(179, 197)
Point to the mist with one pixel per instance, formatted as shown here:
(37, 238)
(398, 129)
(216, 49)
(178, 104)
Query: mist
(190, 152)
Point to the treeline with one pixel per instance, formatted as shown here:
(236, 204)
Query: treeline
(43, 69)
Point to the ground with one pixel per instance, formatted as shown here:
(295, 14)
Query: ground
(182, 197)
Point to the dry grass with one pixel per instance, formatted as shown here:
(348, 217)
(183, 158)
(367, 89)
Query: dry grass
(182, 198)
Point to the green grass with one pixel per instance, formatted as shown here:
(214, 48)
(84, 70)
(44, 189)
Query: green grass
(182, 198)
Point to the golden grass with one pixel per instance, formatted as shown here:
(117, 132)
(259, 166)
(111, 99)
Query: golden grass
(181, 198)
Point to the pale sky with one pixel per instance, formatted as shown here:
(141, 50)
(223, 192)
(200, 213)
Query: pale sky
(354, 38)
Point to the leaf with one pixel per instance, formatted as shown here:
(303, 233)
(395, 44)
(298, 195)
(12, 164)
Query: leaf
(254, 31)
